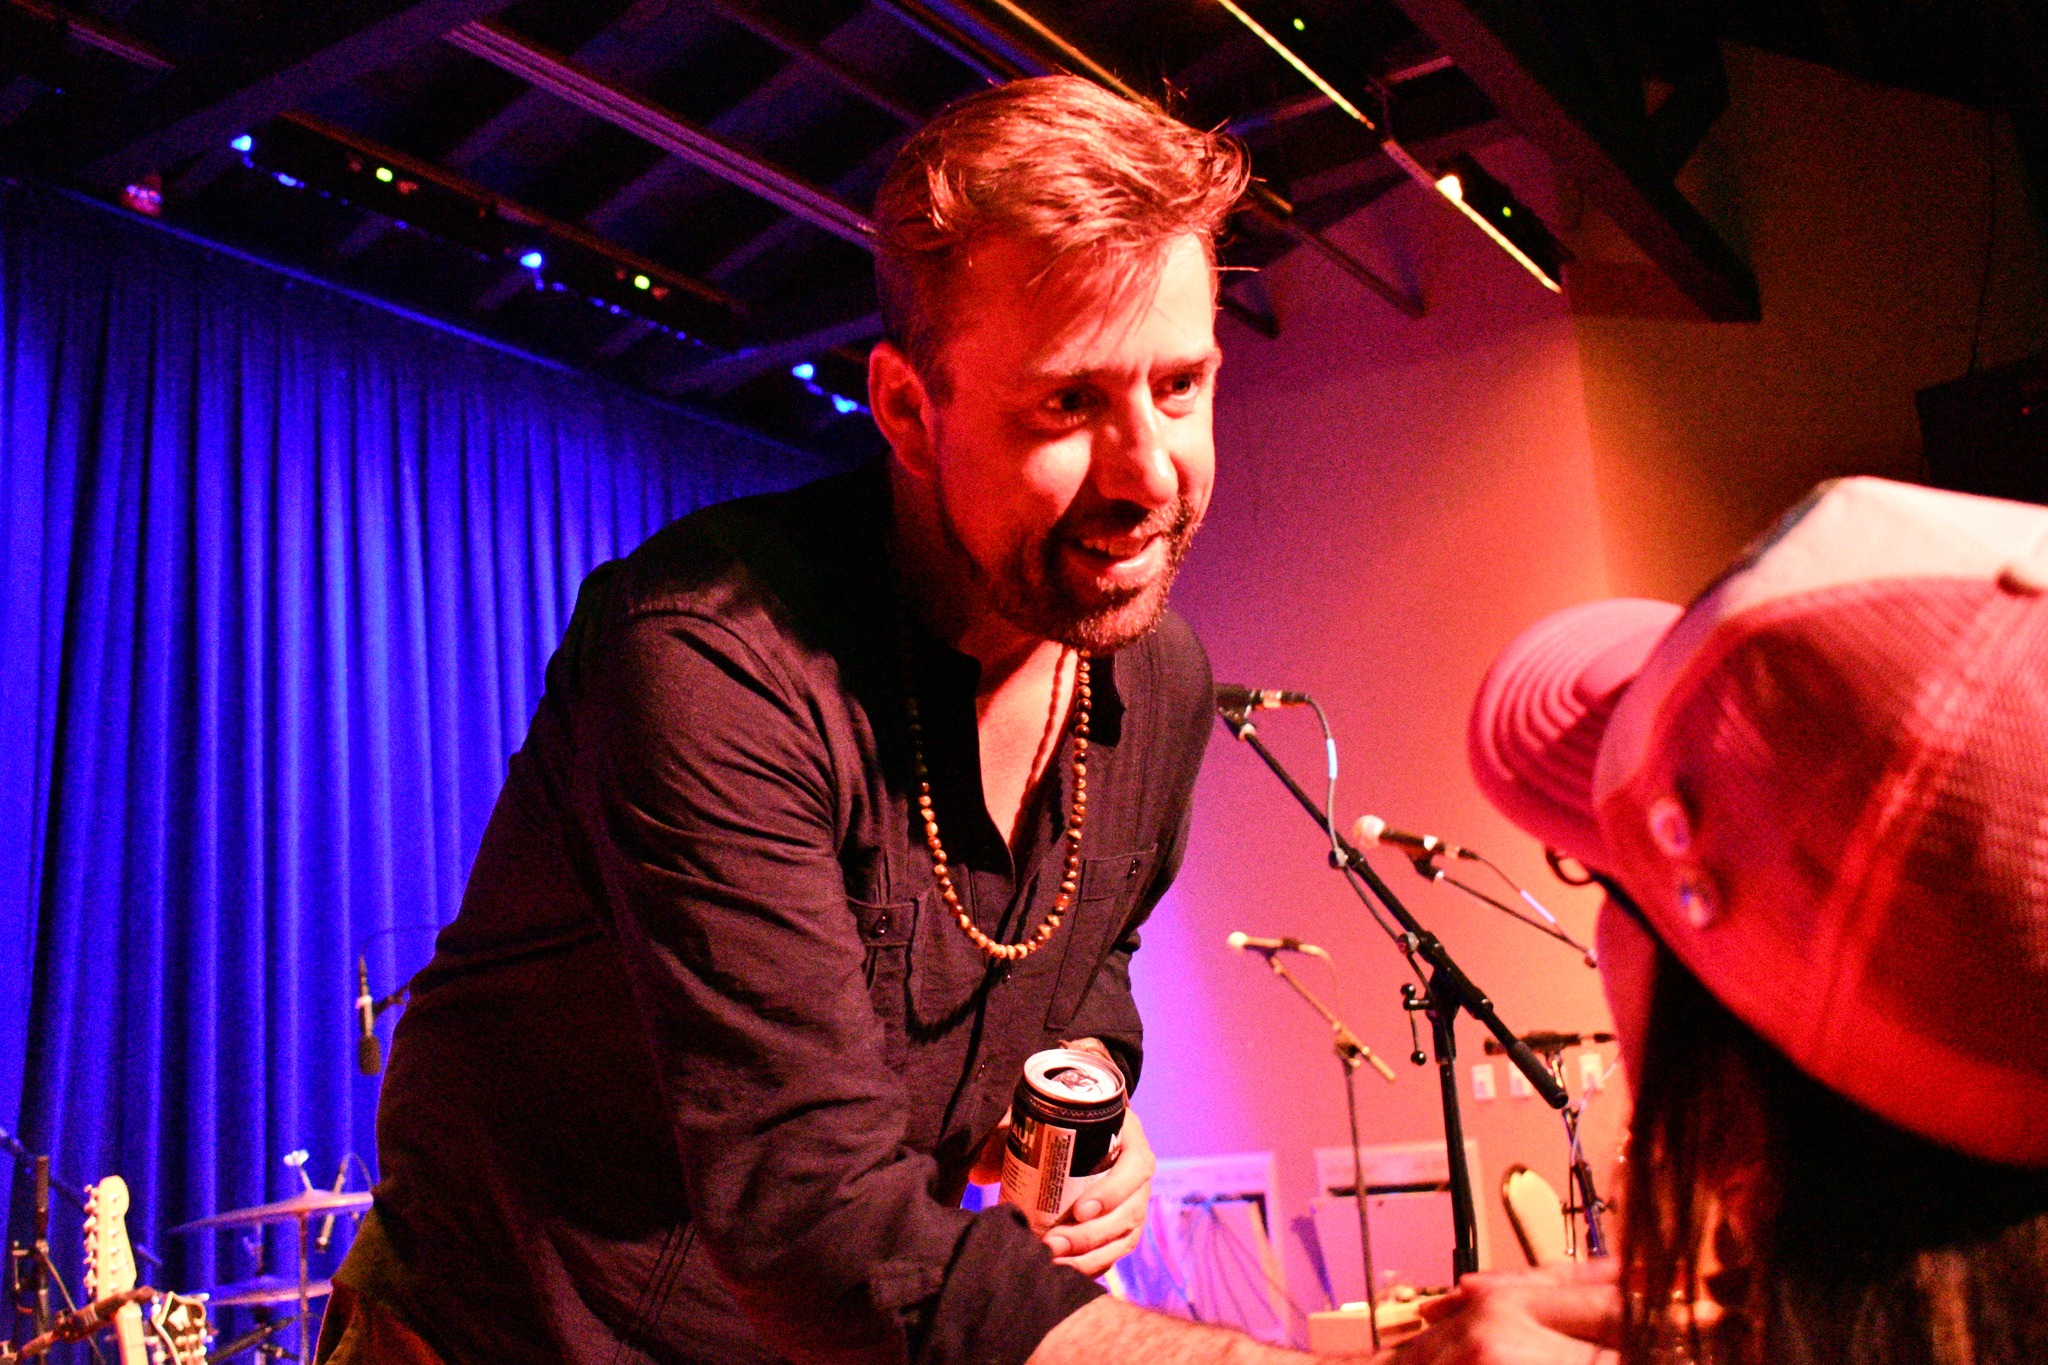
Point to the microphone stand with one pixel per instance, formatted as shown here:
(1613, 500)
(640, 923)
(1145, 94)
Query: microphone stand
(1448, 990)
(1586, 1203)
(1351, 1054)
(72, 1194)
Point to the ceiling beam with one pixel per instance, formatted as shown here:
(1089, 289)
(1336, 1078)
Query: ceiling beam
(729, 372)
(715, 301)
(203, 106)
(784, 231)
(605, 54)
(624, 52)
(970, 48)
(793, 45)
(1503, 47)
(670, 132)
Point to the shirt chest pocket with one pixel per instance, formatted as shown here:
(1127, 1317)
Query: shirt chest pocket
(1109, 893)
(886, 929)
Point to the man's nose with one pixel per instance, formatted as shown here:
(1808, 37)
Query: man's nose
(1134, 461)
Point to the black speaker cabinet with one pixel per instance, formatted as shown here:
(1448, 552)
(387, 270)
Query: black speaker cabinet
(1988, 432)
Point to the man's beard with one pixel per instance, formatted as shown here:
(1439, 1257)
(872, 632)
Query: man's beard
(1029, 590)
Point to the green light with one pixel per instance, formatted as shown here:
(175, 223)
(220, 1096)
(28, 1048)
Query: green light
(1506, 212)
(384, 174)
(642, 282)
(1281, 50)
(1300, 26)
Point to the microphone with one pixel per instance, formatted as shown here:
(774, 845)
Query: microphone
(327, 1223)
(1241, 941)
(369, 1052)
(1237, 697)
(1371, 831)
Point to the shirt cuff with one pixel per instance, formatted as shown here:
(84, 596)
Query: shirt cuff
(1000, 1297)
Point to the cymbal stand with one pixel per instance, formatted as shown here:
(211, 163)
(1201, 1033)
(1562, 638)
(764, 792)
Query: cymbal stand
(1447, 991)
(297, 1161)
(305, 1288)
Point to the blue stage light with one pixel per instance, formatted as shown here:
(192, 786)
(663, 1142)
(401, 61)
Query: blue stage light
(533, 260)
(244, 143)
(805, 371)
(842, 405)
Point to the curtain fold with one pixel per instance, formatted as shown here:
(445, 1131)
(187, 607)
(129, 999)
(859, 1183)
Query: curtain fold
(282, 571)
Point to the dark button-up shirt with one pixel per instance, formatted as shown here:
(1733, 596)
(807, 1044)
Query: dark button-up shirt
(699, 1070)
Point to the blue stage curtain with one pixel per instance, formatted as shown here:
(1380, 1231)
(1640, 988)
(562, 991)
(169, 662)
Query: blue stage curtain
(283, 568)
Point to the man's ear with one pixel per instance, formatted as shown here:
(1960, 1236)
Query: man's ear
(902, 407)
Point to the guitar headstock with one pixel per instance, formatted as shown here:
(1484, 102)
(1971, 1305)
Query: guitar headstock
(109, 1260)
(183, 1333)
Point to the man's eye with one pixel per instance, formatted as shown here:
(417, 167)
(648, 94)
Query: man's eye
(1071, 402)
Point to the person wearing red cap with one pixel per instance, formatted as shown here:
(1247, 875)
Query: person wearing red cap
(1818, 802)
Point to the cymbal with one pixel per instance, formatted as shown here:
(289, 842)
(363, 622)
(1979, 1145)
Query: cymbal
(265, 1289)
(307, 1204)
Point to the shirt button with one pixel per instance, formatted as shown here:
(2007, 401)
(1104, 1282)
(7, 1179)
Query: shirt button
(882, 926)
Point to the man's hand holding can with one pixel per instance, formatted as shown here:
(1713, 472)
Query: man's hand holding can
(1087, 1203)
(1107, 1222)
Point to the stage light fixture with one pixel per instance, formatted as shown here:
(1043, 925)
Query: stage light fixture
(805, 371)
(843, 405)
(244, 144)
(302, 153)
(1286, 54)
(1517, 231)
(145, 197)
(1462, 182)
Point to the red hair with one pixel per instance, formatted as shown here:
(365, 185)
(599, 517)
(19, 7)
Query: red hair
(1104, 184)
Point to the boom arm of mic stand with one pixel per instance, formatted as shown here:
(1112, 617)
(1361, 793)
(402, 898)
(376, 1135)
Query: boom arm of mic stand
(1350, 1047)
(1445, 974)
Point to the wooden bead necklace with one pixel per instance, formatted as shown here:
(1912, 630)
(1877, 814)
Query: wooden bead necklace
(1077, 818)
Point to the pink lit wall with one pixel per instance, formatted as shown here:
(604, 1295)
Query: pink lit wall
(1867, 216)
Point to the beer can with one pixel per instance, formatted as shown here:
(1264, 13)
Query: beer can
(1064, 1126)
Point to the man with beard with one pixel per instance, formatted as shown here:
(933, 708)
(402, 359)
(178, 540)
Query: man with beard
(839, 804)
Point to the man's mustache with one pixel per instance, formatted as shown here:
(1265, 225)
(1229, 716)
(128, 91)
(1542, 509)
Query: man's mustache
(1129, 520)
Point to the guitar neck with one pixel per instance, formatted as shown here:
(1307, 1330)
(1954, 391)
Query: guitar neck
(128, 1335)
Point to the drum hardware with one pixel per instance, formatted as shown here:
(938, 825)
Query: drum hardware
(265, 1291)
(258, 1340)
(299, 1210)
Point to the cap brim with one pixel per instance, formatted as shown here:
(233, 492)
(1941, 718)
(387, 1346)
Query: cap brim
(1542, 712)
